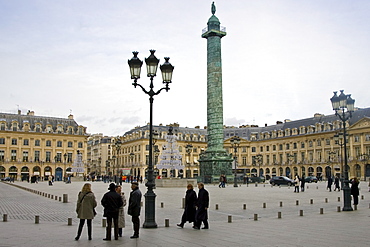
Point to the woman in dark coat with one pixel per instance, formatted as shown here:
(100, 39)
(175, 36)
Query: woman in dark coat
(189, 211)
(86, 203)
(354, 190)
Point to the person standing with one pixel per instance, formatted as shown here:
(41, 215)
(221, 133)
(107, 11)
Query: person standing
(50, 179)
(85, 209)
(354, 190)
(330, 182)
(296, 184)
(201, 214)
(303, 181)
(134, 207)
(336, 183)
(189, 211)
(121, 214)
(111, 202)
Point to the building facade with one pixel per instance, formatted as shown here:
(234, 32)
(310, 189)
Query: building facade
(304, 147)
(39, 146)
(99, 156)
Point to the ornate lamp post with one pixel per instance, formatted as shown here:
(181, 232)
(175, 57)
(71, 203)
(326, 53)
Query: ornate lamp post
(188, 149)
(132, 155)
(117, 145)
(135, 68)
(339, 104)
(331, 160)
(235, 143)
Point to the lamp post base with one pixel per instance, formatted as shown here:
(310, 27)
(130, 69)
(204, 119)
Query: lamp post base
(347, 197)
(235, 182)
(150, 210)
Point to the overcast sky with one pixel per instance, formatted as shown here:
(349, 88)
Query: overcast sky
(282, 59)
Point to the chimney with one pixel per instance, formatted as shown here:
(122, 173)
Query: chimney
(70, 116)
(19, 112)
(279, 122)
(265, 124)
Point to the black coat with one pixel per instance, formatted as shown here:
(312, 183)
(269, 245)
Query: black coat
(134, 202)
(202, 204)
(190, 201)
(111, 202)
(354, 189)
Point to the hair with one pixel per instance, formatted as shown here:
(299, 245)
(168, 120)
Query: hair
(201, 185)
(86, 187)
(190, 186)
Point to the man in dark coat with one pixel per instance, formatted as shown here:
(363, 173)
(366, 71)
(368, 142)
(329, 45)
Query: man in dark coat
(190, 202)
(111, 202)
(134, 207)
(202, 205)
(330, 182)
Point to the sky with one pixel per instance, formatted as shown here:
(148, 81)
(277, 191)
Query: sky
(281, 59)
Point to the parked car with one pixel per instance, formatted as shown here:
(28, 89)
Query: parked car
(256, 179)
(281, 180)
(5, 179)
(311, 179)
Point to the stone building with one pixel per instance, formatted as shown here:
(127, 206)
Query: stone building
(99, 155)
(39, 146)
(304, 147)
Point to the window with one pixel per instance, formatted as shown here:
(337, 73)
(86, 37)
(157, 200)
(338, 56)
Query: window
(310, 144)
(37, 143)
(244, 149)
(267, 148)
(58, 157)
(2, 140)
(357, 138)
(302, 157)
(38, 128)
(25, 156)
(295, 145)
(59, 144)
(69, 159)
(367, 137)
(287, 146)
(60, 130)
(48, 143)
(37, 156)
(261, 149)
(327, 141)
(48, 156)
(70, 131)
(70, 144)
(319, 143)
(14, 155)
(15, 127)
(1, 155)
(280, 146)
(25, 142)
(302, 144)
(48, 129)
(14, 141)
(268, 159)
(80, 145)
(80, 131)
(274, 158)
(253, 149)
(244, 161)
(273, 147)
(2, 127)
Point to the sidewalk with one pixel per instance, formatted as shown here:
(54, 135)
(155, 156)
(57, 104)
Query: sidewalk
(331, 228)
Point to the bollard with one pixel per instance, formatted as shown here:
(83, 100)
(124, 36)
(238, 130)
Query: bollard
(104, 222)
(162, 204)
(264, 205)
(49, 195)
(183, 202)
(362, 197)
(69, 221)
(37, 219)
(255, 185)
(311, 201)
(56, 198)
(264, 185)
(281, 204)
(338, 199)
(166, 222)
(369, 205)
(297, 203)
(5, 217)
(216, 206)
(308, 187)
(244, 206)
(255, 217)
(321, 211)
(52, 196)
(279, 215)
(301, 212)
(326, 200)
(60, 198)
(338, 209)
(229, 219)
(355, 207)
(65, 198)
(317, 187)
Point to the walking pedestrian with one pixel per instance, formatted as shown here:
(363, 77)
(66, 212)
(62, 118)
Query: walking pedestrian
(330, 182)
(201, 214)
(221, 181)
(336, 183)
(50, 179)
(354, 190)
(111, 202)
(303, 181)
(189, 210)
(134, 207)
(296, 184)
(85, 209)
(121, 214)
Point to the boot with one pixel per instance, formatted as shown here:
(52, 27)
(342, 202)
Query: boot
(89, 231)
(79, 232)
(108, 233)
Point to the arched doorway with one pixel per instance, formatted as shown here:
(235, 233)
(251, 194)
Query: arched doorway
(295, 171)
(288, 172)
(273, 173)
(303, 171)
(358, 171)
(280, 171)
(254, 172)
(261, 172)
(268, 177)
(59, 174)
(13, 171)
(47, 172)
(164, 173)
(367, 171)
(195, 173)
(327, 172)
(310, 171)
(2, 172)
(25, 172)
(319, 172)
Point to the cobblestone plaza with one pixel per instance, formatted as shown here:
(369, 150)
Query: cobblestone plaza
(331, 228)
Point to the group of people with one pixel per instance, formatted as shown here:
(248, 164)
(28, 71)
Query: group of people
(195, 209)
(299, 182)
(113, 202)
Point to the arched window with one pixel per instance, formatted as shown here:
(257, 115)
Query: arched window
(59, 144)
(70, 144)
(48, 143)
(80, 145)
(37, 143)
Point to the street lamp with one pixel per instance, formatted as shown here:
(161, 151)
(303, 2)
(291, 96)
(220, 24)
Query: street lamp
(135, 68)
(339, 104)
(189, 149)
(259, 159)
(117, 144)
(235, 142)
